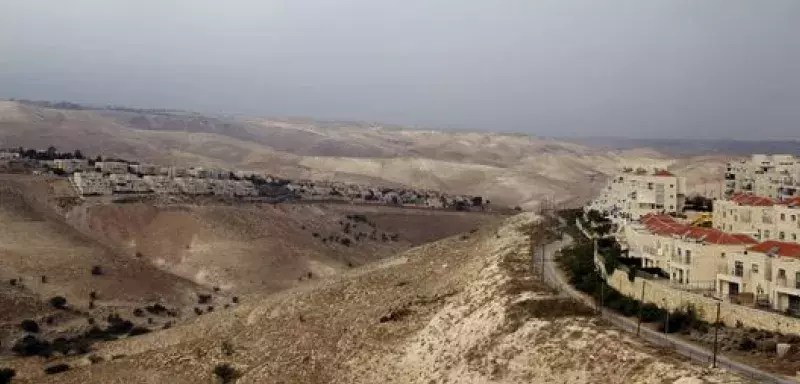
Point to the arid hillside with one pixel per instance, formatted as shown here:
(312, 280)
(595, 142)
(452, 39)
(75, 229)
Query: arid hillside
(157, 263)
(465, 309)
(507, 169)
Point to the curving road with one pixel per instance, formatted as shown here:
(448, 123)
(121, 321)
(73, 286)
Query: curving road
(556, 279)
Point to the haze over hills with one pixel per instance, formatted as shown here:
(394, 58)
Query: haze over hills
(508, 169)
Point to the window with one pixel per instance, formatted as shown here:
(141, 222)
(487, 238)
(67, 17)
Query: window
(688, 257)
(672, 186)
(766, 234)
(783, 217)
(722, 255)
(754, 268)
(794, 218)
(782, 235)
(781, 273)
(794, 236)
(738, 269)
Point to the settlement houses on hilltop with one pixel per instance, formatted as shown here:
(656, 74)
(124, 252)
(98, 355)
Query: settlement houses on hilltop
(767, 273)
(775, 176)
(632, 194)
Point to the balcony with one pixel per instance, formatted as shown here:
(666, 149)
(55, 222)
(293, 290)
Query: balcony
(783, 285)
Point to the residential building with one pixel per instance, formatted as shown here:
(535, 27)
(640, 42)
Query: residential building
(769, 271)
(775, 176)
(128, 183)
(8, 155)
(118, 167)
(689, 255)
(71, 165)
(762, 217)
(144, 169)
(631, 194)
(91, 183)
(161, 184)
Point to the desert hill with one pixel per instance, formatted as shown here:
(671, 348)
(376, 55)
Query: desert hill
(508, 169)
(465, 309)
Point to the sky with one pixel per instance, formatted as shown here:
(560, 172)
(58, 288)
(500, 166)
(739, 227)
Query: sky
(565, 68)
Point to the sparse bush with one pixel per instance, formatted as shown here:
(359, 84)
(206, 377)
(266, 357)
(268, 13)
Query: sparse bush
(310, 275)
(58, 368)
(203, 299)
(210, 309)
(156, 309)
(29, 326)
(58, 302)
(138, 312)
(198, 311)
(345, 241)
(139, 254)
(97, 270)
(93, 295)
(13, 282)
(235, 300)
(31, 346)
(118, 325)
(136, 331)
(6, 374)
(747, 344)
(225, 373)
(216, 289)
(168, 325)
(49, 320)
(227, 348)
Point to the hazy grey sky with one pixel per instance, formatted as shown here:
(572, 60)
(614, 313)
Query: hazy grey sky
(655, 68)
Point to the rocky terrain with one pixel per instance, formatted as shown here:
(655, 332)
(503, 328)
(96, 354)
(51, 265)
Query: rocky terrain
(465, 309)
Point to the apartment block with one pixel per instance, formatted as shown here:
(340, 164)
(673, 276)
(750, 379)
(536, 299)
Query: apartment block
(91, 183)
(128, 183)
(117, 167)
(687, 254)
(762, 217)
(144, 169)
(769, 272)
(71, 165)
(632, 194)
(775, 176)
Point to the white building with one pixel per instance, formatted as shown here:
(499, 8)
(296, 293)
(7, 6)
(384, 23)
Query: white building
(128, 183)
(8, 155)
(775, 176)
(633, 194)
(71, 165)
(769, 272)
(764, 218)
(117, 167)
(91, 183)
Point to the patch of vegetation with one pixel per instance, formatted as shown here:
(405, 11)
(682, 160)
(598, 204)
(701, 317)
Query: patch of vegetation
(58, 368)
(31, 346)
(97, 270)
(29, 325)
(203, 299)
(136, 331)
(58, 302)
(225, 373)
(6, 374)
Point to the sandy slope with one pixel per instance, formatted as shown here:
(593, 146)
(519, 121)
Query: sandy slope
(461, 310)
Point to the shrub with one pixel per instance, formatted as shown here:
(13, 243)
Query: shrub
(235, 300)
(345, 241)
(97, 270)
(198, 311)
(93, 295)
(31, 346)
(136, 331)
(58, 368)
(138, 312)
(210, 309)
(225, 373)
(156, 309)
(13, 282)
(29, 326)
(58, 302)
(6, 374)
(203, 299)
(652, 313)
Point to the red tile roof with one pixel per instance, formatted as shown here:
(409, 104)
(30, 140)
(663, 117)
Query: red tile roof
(752, 200)
(780, 248)
(667, 226)
(793, 202)
(663, 172)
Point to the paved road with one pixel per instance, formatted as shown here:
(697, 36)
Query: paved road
(556, 279)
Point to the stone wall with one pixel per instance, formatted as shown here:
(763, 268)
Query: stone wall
(672, 299)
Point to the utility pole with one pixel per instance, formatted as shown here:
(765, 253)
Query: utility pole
(716, 332)
(602, 297)
(641, 304)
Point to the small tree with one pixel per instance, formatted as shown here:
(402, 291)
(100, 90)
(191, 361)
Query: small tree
(58, 302)
(97, 270)
(58, 368)
(29, 326)
(6, 374)
(225, 373)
